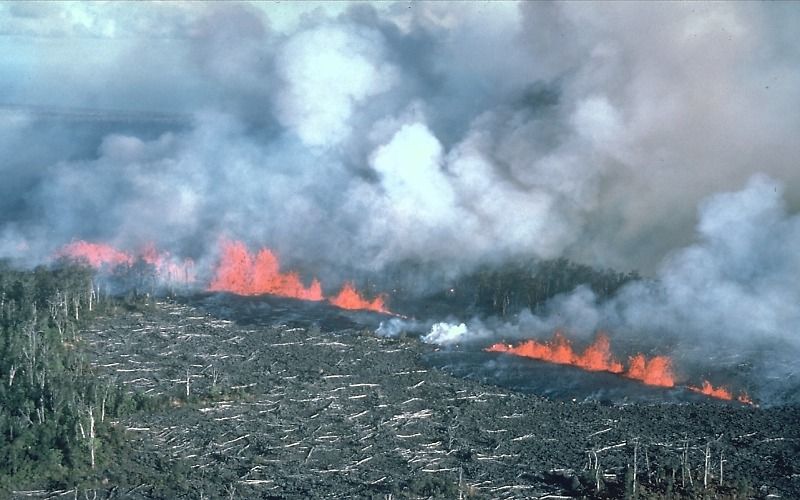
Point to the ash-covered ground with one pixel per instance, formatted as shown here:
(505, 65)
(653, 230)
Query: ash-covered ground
(301, 400)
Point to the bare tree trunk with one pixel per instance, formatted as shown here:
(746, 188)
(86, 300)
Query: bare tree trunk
(103, 404)
(42, 376)
(596, 471)
(91, 435)
(635, 464)
(683, 465)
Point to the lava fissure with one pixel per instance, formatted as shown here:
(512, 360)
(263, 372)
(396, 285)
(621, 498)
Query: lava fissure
(720, 392)
(350, 298)
(96, 255)
(104, 256)
(238, 271)
(655, 370)
(242, 273)
(596, 357)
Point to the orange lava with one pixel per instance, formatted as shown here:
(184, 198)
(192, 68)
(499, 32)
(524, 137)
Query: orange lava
(241, 273)
(349, 298)
(238, 272)
(720, 393)
(597, 357)
(95, 254)
(166, 267)
(654, 371)
(101, 255)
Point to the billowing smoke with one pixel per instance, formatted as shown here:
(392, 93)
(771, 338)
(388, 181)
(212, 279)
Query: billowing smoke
(731, 298)
(364, 135)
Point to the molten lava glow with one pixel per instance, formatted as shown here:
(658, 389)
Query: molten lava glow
(95, 254)
(597, 357)
(349, 298)
(714, 392)
(654, 371)
(720, 393)
(101, 255)
(238, 272)
(241, 273)
(166, 267)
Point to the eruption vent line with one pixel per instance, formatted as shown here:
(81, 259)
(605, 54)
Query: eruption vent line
(720, 392)
(655, 371)
(238, 271)
(242, 273)
(104, 256)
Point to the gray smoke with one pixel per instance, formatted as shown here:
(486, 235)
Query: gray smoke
(730, 299)
(356, 136)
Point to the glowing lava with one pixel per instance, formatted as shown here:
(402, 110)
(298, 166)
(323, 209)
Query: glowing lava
(349, 298)
(241, 273)
(597, 357)
(167, 268)
(104, 256)
(238, 272)
(720, 392)
(96, 255)
(656, 371)
(653, 371)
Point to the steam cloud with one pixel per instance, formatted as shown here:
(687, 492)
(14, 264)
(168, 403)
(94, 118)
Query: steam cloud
(359, 136)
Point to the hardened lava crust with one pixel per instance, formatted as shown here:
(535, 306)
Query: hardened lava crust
(308, 404)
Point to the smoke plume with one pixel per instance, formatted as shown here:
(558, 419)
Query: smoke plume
(730, 298)
(357, 136)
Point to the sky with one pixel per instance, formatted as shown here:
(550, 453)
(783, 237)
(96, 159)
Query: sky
(360, 135)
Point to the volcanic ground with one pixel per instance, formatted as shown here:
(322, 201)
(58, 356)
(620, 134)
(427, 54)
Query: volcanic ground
(294, 399)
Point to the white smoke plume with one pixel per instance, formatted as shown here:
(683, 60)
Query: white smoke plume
(446, 333)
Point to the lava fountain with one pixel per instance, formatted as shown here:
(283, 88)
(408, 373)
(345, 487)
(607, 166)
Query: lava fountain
(238, 272)
(107, 257)
(350, 298)
(96, 255)
(720, 392)
(241, 273)
(596, 357)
